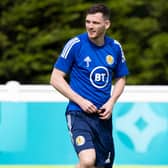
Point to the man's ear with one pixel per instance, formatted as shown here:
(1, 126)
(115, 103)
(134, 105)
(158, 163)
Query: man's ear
(107, 24)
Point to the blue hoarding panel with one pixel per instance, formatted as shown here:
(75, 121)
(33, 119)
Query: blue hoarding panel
(36, 133)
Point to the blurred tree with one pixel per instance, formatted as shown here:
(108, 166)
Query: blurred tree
(32, 34)
(141, 26)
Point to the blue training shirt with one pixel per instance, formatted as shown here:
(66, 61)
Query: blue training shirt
(92, 68)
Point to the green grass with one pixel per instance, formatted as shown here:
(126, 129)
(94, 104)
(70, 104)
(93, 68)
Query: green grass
(62, 166)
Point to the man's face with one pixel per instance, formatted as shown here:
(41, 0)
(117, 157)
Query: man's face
(96, 25)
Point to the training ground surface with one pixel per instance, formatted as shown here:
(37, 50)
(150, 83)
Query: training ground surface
(28, 166)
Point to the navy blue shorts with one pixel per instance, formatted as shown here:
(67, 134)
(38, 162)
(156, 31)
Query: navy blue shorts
(89, 131)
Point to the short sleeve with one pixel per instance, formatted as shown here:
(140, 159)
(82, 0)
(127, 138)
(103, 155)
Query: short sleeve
(121, 67)
(67, 56)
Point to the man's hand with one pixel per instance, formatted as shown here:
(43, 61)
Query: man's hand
(88, 106)
(105, 111)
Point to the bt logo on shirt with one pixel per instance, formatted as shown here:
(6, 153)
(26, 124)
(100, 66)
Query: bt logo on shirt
(99, 77)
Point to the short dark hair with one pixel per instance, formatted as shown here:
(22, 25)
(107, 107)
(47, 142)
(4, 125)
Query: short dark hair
(99, 8)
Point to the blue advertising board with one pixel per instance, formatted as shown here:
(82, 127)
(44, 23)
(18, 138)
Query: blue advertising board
(36, 133)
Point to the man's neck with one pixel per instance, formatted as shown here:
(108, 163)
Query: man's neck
(98, 41)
